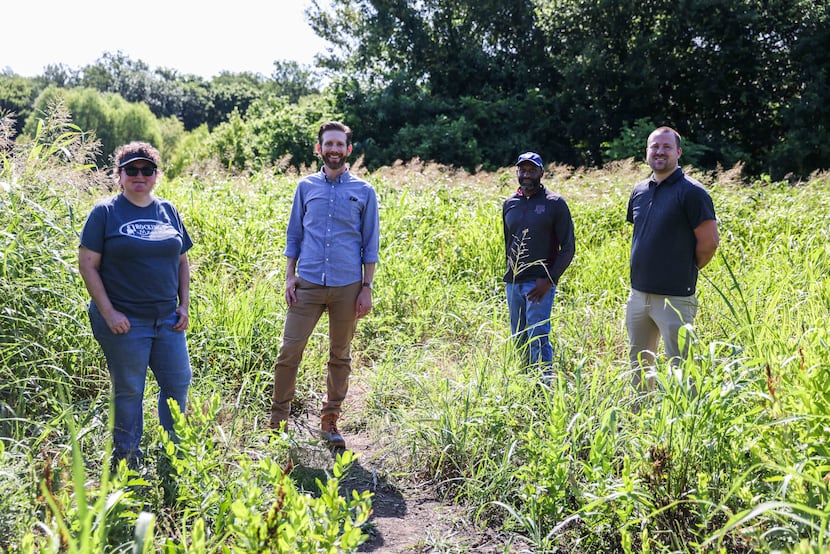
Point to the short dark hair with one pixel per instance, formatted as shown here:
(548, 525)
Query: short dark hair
(666, 129)
(334, 126)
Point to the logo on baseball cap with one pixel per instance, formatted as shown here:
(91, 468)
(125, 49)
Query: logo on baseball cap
(530, 157)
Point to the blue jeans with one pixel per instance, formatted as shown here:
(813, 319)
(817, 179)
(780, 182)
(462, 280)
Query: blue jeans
(530, 323)
(149, 342)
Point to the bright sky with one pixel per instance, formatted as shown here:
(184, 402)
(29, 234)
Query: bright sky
(201, 38)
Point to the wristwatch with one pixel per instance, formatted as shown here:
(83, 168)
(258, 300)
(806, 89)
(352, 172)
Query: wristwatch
(367, 284)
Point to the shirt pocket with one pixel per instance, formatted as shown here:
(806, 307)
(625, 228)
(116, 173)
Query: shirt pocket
(348, 209)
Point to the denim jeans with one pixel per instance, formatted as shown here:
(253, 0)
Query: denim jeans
(530, 323)
(149, 342)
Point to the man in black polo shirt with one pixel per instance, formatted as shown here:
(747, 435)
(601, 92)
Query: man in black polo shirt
(675, 235)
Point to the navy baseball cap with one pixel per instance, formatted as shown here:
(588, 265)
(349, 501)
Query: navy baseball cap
(530, 157)
(134, 157)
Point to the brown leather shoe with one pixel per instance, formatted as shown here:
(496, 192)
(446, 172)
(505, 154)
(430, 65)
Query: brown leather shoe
(329, 432)
(276, 421)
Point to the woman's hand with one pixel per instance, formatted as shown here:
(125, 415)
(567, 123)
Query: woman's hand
(117, 322)
(184, 319)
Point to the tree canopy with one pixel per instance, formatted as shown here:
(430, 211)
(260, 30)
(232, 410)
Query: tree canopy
(737, 76)
(471, 83)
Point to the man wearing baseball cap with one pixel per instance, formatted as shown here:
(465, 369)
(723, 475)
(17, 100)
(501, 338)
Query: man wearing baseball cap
(539, 244)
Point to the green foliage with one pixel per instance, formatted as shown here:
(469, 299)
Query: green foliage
(741, 74)
(40, 190)
(231, 141)
(545, 494)
(271, 132)
(293, 81)
(172, 134)
(245, 507)
(727, 454)
(216, 494)
(167, 94)
(17, 95)
(109, 118)
(187, 98)
(401, 120)
(14, 516)
(803, 147)
(454, 47)
(190, 149)
(472, 83)
(80, 521)
(631, 143)
(441, 138)
(230, 92)
(258, 509)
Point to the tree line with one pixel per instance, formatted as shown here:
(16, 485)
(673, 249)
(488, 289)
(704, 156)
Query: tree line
(470, 83)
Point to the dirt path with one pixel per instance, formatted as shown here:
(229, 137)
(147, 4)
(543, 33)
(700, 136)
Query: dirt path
(407, 518)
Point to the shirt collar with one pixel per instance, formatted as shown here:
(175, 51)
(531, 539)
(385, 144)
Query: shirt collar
(336, 180)
(671, 179)
(519, 191)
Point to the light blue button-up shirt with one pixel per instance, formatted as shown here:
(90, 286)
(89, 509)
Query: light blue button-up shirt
(333, 229)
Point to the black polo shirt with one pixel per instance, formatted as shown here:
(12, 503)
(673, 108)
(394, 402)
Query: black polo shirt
(665, 216)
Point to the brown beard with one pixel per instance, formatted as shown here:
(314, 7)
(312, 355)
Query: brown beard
(335, 165)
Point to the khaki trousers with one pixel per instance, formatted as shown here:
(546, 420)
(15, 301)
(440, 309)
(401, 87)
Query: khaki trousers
(650, 316)
(300, 321)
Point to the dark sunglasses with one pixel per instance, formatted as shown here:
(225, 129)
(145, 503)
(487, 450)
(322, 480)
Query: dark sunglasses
(133, 171)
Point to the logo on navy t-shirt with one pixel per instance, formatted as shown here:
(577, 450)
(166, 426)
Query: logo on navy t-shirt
(147, 229)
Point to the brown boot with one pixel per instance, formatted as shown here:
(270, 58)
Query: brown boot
(276, 421)
(329, 432)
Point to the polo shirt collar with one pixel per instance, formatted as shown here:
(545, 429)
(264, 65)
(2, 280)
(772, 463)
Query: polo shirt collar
(541, 189)
(671, 179)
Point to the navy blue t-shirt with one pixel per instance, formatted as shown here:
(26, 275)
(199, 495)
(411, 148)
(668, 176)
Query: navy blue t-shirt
(663, 247)
(140, 250)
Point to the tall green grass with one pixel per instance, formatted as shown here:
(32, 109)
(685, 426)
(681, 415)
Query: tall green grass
(727, 455)
(226, 484)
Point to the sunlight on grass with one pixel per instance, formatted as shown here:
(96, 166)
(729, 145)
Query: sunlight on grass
(729, 454)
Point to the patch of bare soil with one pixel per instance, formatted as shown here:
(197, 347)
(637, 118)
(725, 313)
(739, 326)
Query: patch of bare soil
(407, 518)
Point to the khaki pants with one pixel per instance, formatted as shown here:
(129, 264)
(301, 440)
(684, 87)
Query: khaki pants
(300, 320)
(650, 316)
